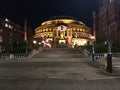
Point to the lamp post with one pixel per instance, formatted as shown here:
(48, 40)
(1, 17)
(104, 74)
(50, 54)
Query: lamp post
(109, 55)
(93, 48)
(34, 42)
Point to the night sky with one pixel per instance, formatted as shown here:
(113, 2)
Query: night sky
(37, 11)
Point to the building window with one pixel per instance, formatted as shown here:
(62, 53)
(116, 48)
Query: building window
(7, 20)
(11, 27)
(6, 25)
(81, 29)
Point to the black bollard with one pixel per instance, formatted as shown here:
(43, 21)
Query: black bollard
(109, 63)
(93, 57)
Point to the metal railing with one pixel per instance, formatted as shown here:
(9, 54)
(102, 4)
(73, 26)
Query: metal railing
(99, 58)
(7, 56)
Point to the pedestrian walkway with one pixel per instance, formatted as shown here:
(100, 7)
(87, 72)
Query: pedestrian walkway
(62, 62)
(52, 69)
(115, 67)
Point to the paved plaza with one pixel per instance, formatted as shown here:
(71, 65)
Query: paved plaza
(55, 69)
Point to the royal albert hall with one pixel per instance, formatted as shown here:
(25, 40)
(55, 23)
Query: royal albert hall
(63, 30)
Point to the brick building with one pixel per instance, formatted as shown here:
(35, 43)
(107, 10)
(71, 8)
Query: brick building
(113, 18)
(11, 34)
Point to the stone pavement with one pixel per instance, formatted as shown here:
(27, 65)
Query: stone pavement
(70, 64)
(55, 69)
(115, 67)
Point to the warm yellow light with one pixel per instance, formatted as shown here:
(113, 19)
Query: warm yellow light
(6, 19)
(79, 42)
(43, 41)
(61, 41)
(34, 41)
(92, 37)
(39, 43)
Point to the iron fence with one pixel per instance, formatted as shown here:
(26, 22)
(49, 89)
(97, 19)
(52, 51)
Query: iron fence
(6, 56)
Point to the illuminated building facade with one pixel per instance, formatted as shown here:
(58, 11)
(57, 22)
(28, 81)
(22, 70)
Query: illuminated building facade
(63, 30)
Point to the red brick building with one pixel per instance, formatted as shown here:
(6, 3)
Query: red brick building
(113, 18)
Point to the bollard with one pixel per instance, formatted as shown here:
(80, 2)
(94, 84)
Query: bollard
(93, 57)
(109, 63)
(105, 62)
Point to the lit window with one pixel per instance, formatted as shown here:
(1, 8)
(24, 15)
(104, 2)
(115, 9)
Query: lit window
(6, 25)
(81, 29)
(50, 29)
(10, 26)
(46, 29)
(43, 30)
(74, 29)
(6, 19)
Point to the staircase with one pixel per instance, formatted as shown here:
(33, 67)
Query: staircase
(59, 54)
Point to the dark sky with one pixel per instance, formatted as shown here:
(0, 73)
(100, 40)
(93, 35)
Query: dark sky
(36, 11)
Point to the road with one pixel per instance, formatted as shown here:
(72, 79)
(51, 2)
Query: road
(55, 69)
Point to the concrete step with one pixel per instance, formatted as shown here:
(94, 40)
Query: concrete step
(76, 60)
(59, 53)
(57, 50)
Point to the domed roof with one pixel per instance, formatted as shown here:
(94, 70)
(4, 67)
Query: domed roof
(62, 19)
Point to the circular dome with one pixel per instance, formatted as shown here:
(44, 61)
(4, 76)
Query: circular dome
(63, 29)
(62, 19)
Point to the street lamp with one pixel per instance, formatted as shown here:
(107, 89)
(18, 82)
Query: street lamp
(39, 43)
(109, 55)
(93, 47)
(34, 41)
